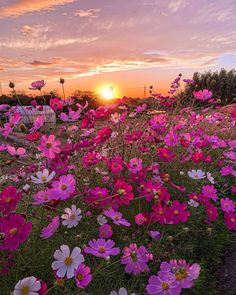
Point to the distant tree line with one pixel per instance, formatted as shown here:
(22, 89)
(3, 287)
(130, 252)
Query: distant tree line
(222, 84)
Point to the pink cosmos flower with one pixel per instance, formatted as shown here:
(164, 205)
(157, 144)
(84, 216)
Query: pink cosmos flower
(227, 205)
(38, 123)
(165, 154)
(135, 259)
(140, 219)
(49, 230)
(209, 191)
(63, 188)
(154, 234)
(116, 217)
(98, 197)
(135, 165)
(183, 273)
(158, 122)
(163, 285)
(82, 276)
(71, 117)
(204, 94)
(105, 231)
(17, 152)
(56, 104)
(42, 197)
(122, 192)
(212, 212)
(37, 85)
(230, 220)
(9, 198)
(116, 164)
(176, 213)
(101, 248)
(49, 146)
(227, 170)
(15, 231)
(171, 139)
(230, 155)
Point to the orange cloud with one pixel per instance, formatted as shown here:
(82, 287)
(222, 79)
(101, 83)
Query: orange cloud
(21, 7)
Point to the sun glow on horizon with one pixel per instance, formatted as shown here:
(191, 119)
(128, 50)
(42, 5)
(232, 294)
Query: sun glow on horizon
(107, 93)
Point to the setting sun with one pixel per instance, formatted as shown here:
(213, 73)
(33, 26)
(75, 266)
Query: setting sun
(107, 93)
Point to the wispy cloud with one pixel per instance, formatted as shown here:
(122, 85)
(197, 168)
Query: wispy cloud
(49, 43)
(34, 31)
(21, 7)
(215, 13)
(176, 5)
(91, 13)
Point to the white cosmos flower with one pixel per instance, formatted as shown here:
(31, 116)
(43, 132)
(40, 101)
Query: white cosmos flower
(27, 286)
(115, 118)
(43, 176)
(210, 178)
(67, 263)
(122, 291)
(101, 219)
(72, 217)
(193, 203)
(196, 174)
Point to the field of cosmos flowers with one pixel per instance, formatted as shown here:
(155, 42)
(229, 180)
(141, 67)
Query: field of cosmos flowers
(117, 200)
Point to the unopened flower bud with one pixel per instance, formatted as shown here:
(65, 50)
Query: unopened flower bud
(12, 84)
(209, 230)
(62, 80)
(170, 238)
(186, 229)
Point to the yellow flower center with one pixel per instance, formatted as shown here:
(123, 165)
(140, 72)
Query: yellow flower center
(80, 276)
(48, 145)
(165, 286)
(68, 261)
(45, 198)
(13, 231)
(63, 187)
(181, 274)
(232, 219)
(72, 217)
(117, 218)
(176, 212)
(25, 290)
(8, 200)
(101, 250)
(43, 178)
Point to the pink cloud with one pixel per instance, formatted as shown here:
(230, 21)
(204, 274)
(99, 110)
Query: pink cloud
(21, 7)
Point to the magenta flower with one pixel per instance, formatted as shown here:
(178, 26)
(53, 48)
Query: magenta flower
(116, 165)
(71, 117)
(184, 273)
(18, 152)
(101, 248)
(42, 197)
(227, 170)
(176, 213)
(227, 205)
(230, 220)
(116, 217)
(204, 94)
(163, 285)
(123, 192)
(63, 188)
(82, 276)
(15, 231)
(37, 85)
(209, 191)
(135, 259)
(154, 234)
(49, 146)
(140, 219)
(9, 198)
(135, 165)
(105, 231)
(56, 104)
(49, 230)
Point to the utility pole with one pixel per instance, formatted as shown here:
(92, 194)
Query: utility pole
(145, 91)
(1, 93)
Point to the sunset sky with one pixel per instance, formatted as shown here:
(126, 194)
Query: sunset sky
(124, 44)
